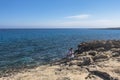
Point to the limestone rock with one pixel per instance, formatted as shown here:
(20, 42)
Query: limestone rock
(115, 54)
(63, 78)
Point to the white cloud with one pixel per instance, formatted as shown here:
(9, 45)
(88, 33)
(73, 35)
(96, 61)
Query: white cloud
(81, 16)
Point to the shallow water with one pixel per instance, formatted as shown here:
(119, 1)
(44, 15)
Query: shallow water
(30, 47)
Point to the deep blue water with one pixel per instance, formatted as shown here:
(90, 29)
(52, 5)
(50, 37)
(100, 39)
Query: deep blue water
(29, 47)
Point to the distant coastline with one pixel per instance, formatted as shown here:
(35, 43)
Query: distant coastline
(106, 28)
(117, 28)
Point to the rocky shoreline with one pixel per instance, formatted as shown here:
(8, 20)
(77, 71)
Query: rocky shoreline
(95, 60)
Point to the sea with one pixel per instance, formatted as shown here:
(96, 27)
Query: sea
(34, 47)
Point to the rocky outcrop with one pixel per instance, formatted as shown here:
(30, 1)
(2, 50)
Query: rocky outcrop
(90, 52)
(95, 60)
(93, 53)
(98, 45)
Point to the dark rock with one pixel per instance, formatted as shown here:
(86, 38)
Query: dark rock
(98, 45)
(102, 75)
(87, 61)
(92, 53)
(100, 56)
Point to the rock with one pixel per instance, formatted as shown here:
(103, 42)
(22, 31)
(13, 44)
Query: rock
(63, 78)
(87, 61)
(100, 56)
(98, 45)
(75, 62)
(101, 49)
(102, 75)
(92, 53)
(115, 54)
(58, 69)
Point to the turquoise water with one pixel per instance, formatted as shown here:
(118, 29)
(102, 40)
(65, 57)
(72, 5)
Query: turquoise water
(31, 47)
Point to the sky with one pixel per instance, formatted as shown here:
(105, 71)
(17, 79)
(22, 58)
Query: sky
(59, 13)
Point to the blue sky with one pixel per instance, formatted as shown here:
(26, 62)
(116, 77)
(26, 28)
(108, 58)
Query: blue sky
(59, 13)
